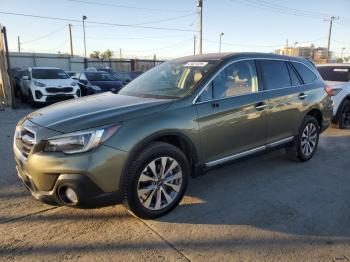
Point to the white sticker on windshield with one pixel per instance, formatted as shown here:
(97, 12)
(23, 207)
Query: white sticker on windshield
(341, 70)
(196, 64)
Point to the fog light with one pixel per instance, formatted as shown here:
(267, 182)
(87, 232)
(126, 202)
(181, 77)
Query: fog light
(71, 195)
(38, 94)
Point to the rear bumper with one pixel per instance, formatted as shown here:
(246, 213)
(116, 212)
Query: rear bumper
(88, 193)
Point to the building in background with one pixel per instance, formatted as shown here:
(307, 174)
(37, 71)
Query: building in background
(318, 55)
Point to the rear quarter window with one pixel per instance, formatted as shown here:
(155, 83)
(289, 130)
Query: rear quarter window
(305, 73)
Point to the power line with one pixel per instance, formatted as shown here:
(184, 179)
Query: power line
(127, 7)
(166, 20)
(97, 22)
(266, 46)
(277, 8)
(44, 36)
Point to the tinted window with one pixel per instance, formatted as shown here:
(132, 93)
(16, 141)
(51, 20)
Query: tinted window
(236, 79)
(293, 76)
(306, 74)
(99, 76)
(330, 73)
(275, 74)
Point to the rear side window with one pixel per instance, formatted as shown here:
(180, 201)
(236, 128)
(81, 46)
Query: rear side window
(275, 74)
(306, 74)
(293, 76)
(330, 73)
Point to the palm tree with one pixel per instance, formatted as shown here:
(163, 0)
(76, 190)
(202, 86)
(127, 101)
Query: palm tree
(108, 54)
(95, 54)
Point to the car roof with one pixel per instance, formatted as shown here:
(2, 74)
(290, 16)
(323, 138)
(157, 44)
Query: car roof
(335, 65)
(240, 55)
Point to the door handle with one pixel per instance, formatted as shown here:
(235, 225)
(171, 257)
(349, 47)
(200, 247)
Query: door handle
(302, 96)
(214, 105)
(260, 106)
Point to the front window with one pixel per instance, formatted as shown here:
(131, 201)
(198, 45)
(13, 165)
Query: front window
(49, 74)
(99, 76)
(173, 79)
(341, 74)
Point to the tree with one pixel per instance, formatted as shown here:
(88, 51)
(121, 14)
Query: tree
(108, 54)
(346, 59)
(95, 54)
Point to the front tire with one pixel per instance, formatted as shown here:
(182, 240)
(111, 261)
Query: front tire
(344, 115)
(305, 144)
(156, 181)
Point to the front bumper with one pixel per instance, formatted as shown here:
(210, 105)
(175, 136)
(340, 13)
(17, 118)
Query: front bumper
(89, 194)
(94, 176)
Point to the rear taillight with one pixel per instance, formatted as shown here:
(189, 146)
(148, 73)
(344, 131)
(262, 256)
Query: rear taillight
(329, 90)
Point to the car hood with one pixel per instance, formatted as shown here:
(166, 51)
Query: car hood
(107, 85)
(96, 110)
(56, 82)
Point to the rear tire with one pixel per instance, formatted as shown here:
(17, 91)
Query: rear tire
(344, 115)
(156, 180)
(305, 144)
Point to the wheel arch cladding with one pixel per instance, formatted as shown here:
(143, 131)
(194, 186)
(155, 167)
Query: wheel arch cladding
(317, 114)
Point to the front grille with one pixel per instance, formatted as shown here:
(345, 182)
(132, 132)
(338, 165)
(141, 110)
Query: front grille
(59, 90)
(25, 141)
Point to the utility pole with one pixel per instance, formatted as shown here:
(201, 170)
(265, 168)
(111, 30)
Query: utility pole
(329, 36)
(19, 44)
(221, 34)
(84, 18)
(70, 40)
(194, 45)
(200, 12)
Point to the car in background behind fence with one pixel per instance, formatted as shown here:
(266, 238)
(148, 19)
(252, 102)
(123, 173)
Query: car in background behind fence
(47, 85)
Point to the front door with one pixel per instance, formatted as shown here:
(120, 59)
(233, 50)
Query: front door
(232, 115)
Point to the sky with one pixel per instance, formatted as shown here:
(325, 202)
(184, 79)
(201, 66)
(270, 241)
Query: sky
(247, 26)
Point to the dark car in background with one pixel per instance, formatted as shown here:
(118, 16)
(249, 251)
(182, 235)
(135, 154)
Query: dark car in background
(94, 82)
(17, 74)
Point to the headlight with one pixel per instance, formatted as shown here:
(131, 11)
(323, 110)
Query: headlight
(96, 88)
(39, 84)
(79, 142)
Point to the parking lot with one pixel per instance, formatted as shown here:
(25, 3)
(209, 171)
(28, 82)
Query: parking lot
(262, 209)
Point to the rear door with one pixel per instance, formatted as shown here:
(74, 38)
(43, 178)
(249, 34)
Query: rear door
(286, 98)
(231, 113)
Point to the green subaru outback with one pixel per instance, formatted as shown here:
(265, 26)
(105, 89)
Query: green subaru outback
(140, 147)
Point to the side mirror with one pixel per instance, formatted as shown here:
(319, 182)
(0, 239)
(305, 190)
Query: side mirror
(26, 78)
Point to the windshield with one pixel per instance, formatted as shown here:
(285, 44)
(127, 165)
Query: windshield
(100, 76)
(173, 79)
(49, 74)
(340, 74)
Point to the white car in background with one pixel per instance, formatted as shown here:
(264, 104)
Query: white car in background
(337, 76)
(47, 85)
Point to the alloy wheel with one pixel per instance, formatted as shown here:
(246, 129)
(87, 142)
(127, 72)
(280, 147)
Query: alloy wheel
(309, 139)
(159, 183)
